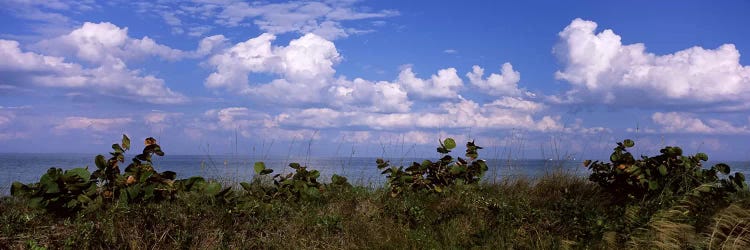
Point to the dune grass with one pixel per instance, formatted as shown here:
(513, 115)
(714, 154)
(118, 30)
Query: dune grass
(556, 211)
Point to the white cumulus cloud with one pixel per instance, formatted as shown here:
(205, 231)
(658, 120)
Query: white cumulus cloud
(104, 42)
(445, 84)
(307, 58)
(21, 68)
(503, 84)
(602, 69)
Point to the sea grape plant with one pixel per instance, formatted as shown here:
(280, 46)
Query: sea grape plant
(69, 191)
(140, 182)
(63, 192)
(439, 175)
(671, 172)
(300, 184)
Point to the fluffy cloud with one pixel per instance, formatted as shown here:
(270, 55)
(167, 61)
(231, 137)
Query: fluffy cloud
(503, 114)
(364, 95)
(210, 45)
(103, 45)
(15, 60)
(306, 72)
(104, 42)
(601, 69)
(445, 84)
(307, 58)
(503, 84)
(676, 122)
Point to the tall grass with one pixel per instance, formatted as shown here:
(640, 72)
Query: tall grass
(557, 210)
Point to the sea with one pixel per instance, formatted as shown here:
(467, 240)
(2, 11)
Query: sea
(29, 167)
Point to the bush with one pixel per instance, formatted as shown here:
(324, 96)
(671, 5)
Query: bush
(74, 190)
(301, 184)
(436, 176)
(667, 174)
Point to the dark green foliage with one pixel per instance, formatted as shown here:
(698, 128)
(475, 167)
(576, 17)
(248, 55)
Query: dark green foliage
(436, 176)
(76, 189)
(338, 181)
(140, 182)
(60, 192)
(301, 184)
(670, 173)
(646, 189)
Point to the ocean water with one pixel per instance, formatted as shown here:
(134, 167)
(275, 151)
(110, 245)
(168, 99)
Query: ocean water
(27, 168)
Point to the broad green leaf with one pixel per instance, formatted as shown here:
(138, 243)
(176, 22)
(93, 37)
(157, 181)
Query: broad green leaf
(455, 170)
(614, 157)
(294, 165)
(449, 143)
(314, 174)
(259, 167)
(49, 184)
(701, 156)
(628, 143)
(125, 142)
(705, 188)
(101, 162)
(78, 173)
(116, 147)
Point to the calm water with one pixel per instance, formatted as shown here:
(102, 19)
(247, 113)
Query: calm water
(27, 168)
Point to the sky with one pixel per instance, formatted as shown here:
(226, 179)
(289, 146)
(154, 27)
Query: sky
(524, 79)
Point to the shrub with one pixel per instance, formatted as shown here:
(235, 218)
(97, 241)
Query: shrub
(436, 176)
(301, 184)
(669, 173)
(61, 192)
(67, 192)
(667, 189)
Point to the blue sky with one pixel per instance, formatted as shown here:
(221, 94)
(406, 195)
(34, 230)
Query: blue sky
(530, 79)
